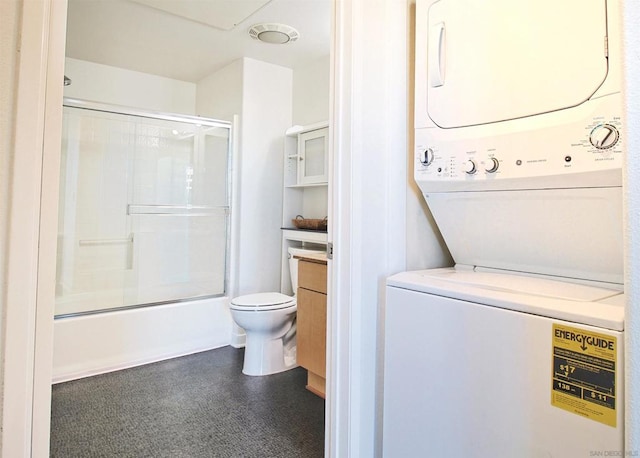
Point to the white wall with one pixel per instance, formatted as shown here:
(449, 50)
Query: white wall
(311, 92)
(261, 94)
(117, 86)
(311, 98)
(266, 114)
(219, 95)
(632, 224)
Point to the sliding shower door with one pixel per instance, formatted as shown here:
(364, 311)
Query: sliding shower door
(144, 208)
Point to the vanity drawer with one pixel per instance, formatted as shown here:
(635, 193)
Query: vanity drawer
(312, 276)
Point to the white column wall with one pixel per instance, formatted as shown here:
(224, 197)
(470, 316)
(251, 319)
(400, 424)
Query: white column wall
(261, 93)
(220, 96)
(266, 114)
(118, 86)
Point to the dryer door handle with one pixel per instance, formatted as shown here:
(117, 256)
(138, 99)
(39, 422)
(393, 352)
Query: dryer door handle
(437, 55)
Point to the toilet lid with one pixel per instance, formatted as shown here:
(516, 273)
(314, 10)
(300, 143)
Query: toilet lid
(263, 301)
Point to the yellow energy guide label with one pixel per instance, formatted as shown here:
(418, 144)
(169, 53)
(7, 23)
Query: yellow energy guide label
(584, 373)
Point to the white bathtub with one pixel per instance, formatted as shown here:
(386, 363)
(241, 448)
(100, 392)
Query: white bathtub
(95, 344)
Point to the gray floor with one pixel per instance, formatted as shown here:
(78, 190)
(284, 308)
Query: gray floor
(195, 406)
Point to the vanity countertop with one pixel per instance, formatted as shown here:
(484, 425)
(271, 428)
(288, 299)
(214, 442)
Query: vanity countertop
(317, 258)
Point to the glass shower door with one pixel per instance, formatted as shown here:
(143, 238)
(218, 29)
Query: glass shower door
(143, 212)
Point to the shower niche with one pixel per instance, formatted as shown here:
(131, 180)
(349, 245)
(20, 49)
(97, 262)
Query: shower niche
(144, 209)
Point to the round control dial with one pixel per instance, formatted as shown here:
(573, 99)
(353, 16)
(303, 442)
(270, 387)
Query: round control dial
(425, 156)
(604, 136)
(470, 167)
(491, 165)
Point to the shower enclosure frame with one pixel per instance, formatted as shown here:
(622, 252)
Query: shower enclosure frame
(189, 119)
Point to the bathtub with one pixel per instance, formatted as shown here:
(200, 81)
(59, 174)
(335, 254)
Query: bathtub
(110, 341)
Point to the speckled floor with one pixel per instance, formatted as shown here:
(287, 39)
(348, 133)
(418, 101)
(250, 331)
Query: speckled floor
(195, 406)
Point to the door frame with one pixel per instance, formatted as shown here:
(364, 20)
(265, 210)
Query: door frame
(367, 211)
(368, 119)
(32, 233)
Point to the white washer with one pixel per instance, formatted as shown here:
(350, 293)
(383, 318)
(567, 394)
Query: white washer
(470, 369)
(518, 350)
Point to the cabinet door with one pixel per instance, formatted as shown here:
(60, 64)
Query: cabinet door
(312, 152)
(312, 331)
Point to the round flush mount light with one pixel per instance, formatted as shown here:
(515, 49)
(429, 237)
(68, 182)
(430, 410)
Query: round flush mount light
(274, 33)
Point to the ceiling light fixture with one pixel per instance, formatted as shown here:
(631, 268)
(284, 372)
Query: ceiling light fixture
(274, 33)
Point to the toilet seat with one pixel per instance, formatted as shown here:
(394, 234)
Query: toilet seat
(262, 302)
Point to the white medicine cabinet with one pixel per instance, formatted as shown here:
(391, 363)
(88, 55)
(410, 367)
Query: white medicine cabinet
(305, 188)
(312, 156)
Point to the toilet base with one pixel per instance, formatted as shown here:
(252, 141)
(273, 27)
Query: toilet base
(238, 336)
(265, 357)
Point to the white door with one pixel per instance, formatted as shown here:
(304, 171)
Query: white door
(504, 59)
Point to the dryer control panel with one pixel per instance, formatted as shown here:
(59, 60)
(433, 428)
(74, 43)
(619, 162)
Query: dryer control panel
(550, 150)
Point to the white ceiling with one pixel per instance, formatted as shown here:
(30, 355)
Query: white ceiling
(223, 14)
(131, 35)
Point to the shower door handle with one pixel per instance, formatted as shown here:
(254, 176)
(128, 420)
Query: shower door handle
(176, 210)
(96, 242)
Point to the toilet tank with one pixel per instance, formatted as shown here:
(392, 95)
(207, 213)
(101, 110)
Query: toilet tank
(293, 263)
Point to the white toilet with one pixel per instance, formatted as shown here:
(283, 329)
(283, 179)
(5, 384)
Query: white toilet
(268, 321)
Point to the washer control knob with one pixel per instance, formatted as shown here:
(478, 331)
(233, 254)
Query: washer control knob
(470, 167)
(491, 165)
(604, 136)
(425, 156)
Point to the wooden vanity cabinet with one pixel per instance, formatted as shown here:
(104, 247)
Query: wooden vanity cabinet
(312, 322)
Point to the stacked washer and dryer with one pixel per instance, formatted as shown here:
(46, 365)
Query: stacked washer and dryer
(517, 351)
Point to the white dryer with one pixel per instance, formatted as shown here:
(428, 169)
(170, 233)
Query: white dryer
(518, 149)
(517, 351)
